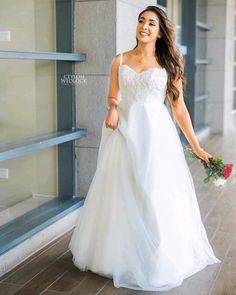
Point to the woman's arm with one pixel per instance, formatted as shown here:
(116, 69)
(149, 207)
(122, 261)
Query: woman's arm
(114, 93)
(114, 90)
(182, 117)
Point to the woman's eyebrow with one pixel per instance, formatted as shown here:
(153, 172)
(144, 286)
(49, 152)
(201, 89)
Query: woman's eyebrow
(149, 18)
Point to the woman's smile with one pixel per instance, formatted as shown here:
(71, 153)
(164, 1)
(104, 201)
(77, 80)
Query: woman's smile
(142, 33)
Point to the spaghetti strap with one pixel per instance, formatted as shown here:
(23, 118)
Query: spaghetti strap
(121, 58)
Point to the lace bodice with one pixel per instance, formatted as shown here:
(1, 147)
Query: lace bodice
(146, 86)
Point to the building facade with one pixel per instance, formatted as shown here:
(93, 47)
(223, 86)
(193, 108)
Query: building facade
(55, 66)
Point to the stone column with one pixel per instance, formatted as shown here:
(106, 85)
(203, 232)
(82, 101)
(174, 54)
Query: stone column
(219, 75)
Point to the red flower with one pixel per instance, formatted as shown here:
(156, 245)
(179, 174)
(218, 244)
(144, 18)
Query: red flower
(227, 170)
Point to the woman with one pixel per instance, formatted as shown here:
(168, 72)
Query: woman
(141, 224)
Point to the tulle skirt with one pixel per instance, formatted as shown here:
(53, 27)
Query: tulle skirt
(140, 224)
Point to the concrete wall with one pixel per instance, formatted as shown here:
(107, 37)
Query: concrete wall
(219, 76)
(95, 36)
(228, 119)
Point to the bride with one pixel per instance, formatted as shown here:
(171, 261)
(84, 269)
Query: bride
(140, 224)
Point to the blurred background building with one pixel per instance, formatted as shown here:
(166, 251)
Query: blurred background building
(55, 67)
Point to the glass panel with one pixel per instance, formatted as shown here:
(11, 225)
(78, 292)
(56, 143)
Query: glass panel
(174, 12)
(202, 11)
(199, 116)
(162, 2)
(234, 76)
(28, 99)
(32, 181)
(200, 82)
(27, 25)
(234, 103)
(28, 105)
(200, 44)
(200, 76)
(234, 50)
(178, 22)
(234, 24)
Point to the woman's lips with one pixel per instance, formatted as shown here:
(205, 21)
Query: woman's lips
(143, 34)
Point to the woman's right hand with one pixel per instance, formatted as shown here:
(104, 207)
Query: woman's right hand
(201, 153)
(112, 118)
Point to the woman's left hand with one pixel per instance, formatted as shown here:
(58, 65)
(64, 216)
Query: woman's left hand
(201, 153)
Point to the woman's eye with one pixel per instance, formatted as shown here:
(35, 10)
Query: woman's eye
(140, 21)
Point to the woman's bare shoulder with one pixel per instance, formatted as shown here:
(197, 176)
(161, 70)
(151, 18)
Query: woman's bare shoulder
(128, 53)
(124, 54)
(116, 60)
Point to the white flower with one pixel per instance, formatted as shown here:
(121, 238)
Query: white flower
(219, 181)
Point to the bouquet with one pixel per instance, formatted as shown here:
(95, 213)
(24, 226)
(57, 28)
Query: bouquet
(217, 170)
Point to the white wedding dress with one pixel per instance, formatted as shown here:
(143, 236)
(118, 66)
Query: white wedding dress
(140, 223)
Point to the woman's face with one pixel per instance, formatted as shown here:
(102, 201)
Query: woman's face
(148, 28)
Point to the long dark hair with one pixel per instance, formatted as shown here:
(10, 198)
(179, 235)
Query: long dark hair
(168, 53)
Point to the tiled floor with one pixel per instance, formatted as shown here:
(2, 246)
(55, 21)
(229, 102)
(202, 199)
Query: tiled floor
(51, 271)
